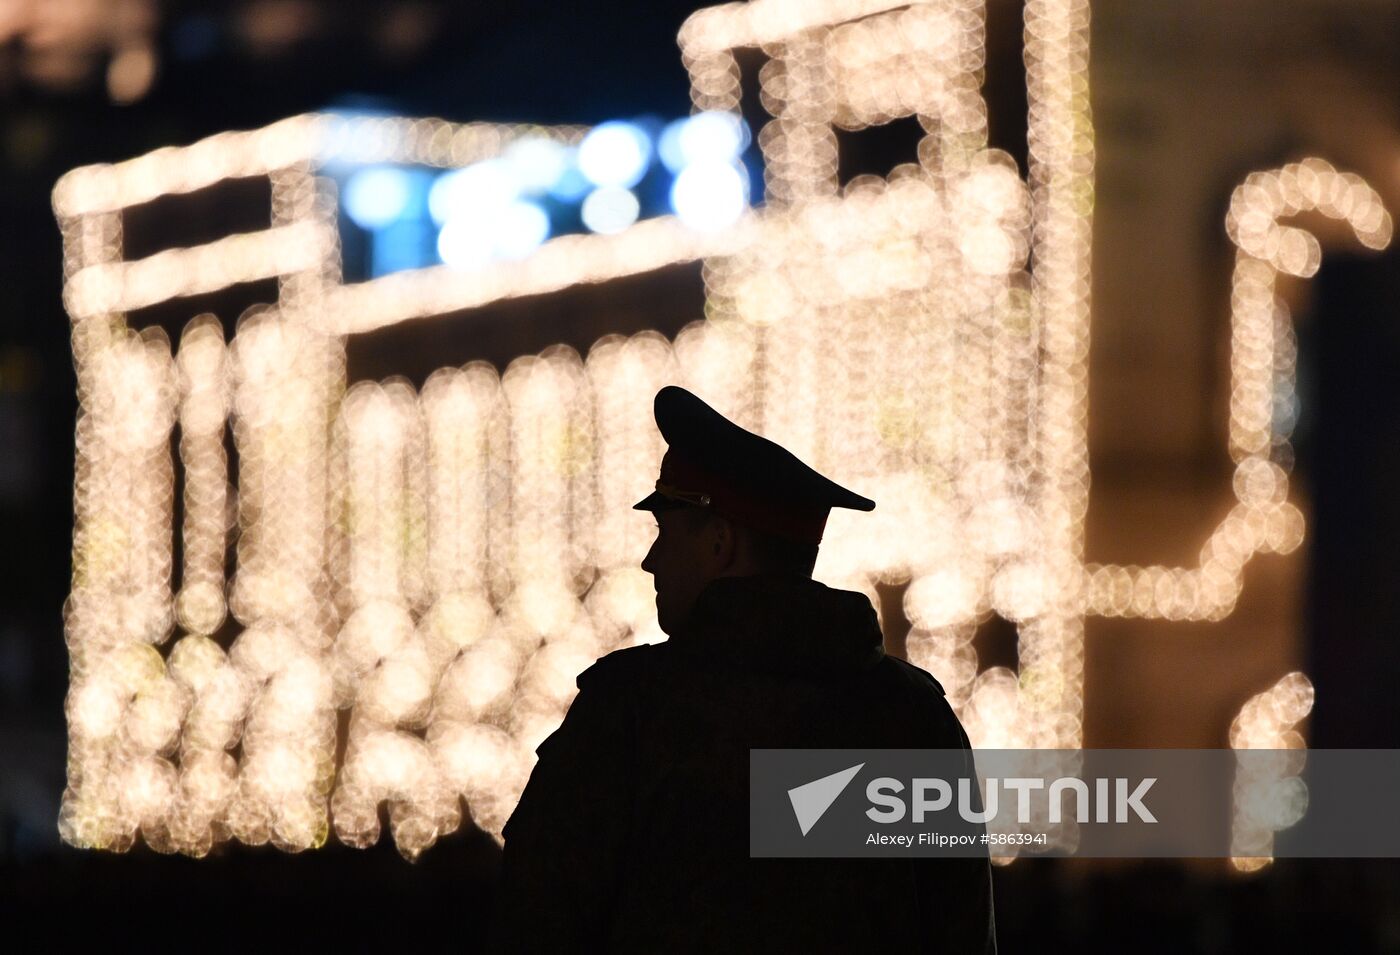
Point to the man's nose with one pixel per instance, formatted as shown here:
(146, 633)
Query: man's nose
(646, 561)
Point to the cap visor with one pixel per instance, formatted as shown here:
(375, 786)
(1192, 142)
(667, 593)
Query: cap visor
(655, 501)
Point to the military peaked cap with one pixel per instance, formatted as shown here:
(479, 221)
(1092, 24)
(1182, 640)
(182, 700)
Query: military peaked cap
(712, 462)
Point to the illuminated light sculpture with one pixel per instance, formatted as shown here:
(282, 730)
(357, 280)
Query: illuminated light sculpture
(1268, 793)
(1262, 370)
(442, 564)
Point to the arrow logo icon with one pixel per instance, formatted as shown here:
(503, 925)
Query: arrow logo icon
(810, 801)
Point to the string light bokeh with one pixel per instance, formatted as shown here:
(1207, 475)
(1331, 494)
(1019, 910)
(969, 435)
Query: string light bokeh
(1268, 793)
(440, 564)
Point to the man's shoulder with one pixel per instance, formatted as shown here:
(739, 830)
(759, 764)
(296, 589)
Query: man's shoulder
(925, 696)
(915, 677)
(624, 666)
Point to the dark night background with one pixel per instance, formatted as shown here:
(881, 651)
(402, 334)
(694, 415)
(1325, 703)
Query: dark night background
(585, 63)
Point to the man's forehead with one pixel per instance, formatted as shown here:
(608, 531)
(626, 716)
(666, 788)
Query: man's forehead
(682, 515)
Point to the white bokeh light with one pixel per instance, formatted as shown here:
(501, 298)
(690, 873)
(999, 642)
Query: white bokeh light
(710, 195)
(510, 232)
(520, 230)
(538, 162)
(466, 243)
(479, 190)
(712, 136)
(614, 154)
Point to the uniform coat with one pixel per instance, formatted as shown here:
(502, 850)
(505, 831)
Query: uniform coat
(632, 835)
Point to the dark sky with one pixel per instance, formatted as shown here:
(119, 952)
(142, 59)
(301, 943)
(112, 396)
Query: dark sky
(549, 62)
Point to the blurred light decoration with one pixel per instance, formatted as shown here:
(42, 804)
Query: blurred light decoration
(273, 27)
(406, 243)
(890, 331)
(377, 196)
(571, 185)
(614, 154)
(131, 73)
(65, 43)
(523, 228)
(465, 244)
(710, 195)
(512, 232)
(1269, 793)
(668, 145)
(609, 209)
(500, 208)
(538, 162)
(1262, 365)
(711, 136)
(479, 191)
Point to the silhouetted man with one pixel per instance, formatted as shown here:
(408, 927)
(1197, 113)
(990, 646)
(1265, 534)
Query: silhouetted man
(632, 834)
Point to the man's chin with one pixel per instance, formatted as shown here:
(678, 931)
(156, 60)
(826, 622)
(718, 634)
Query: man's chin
(665, 619)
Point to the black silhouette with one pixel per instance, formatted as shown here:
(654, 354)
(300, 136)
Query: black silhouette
(632, 834)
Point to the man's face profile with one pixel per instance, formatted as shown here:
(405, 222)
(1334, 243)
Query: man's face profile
(690, 550)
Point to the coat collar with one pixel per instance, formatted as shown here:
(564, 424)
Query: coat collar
(783, 623)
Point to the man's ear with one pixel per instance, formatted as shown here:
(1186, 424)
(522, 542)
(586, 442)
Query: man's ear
(723, 542)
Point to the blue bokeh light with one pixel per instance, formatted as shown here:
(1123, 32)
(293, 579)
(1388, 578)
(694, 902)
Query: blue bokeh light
(668, 145)
(399, 217)
(610, 209)
(376, 196)
(572, 185)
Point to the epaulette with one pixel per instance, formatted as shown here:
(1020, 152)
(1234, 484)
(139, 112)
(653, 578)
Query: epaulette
(918, 674)
(618, 665)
